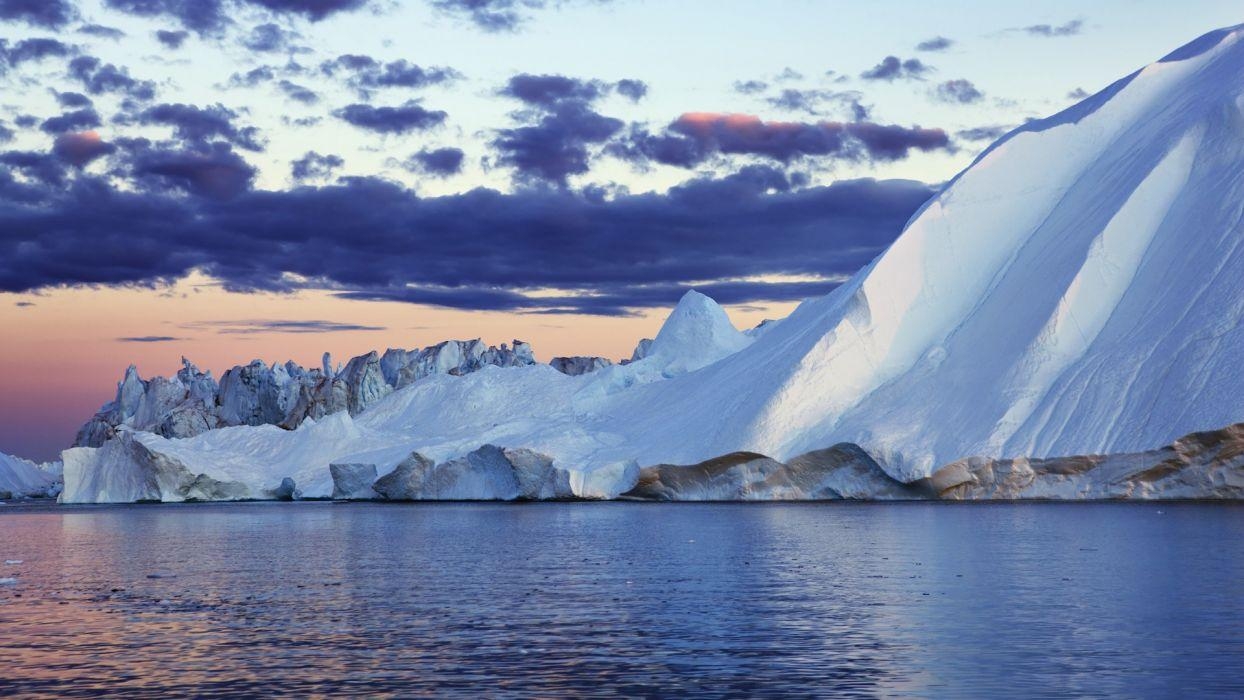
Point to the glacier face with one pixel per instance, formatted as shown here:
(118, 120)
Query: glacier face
(1075, 291)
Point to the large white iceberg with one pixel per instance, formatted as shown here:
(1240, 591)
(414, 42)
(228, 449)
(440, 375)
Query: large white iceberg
(1076, 291)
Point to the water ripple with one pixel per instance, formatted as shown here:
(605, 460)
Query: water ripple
(598, 600)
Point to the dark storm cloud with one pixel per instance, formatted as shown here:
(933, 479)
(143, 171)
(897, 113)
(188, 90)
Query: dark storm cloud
(71, 121)
(6, 134)
(101, 31)
(391, 120)
(958, 92)
(1077, 94)
(100, 78)
(893, 68)
(1071, 28)
(439, 162)
(52, 14)
(480, 249)
(365, 73)
(937, 43)
(80, 149)
(314, 166)
(694, 138)
(172, 39)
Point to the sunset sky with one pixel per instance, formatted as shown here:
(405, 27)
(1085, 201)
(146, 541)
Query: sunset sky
(239, 179)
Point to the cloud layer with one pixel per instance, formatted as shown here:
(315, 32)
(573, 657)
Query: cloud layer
(368, 238)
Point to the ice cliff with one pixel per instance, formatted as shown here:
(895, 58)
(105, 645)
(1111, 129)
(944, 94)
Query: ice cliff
(20, 478)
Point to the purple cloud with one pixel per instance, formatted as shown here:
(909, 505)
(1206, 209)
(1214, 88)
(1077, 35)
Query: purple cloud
(391, 120)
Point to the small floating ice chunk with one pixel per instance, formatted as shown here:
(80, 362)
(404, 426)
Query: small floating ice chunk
(8, 581)
(12, 562)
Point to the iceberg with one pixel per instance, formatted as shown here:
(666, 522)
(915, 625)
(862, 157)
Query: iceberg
(1075, 291)
(192, 402)
(21, 478)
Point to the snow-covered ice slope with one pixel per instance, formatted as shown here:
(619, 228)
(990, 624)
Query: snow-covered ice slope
(1077, 290)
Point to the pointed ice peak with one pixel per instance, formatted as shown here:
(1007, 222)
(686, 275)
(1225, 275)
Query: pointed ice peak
(697, 333)
(131, 383)
(130, 392)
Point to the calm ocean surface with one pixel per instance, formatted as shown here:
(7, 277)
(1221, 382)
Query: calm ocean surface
(572, 599)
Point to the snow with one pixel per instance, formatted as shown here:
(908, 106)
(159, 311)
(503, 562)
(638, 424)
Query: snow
(697, 333)
(1075, 291)
(1136, 203)
(24, 479)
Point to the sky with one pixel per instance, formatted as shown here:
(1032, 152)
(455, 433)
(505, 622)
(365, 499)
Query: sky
(236, 179)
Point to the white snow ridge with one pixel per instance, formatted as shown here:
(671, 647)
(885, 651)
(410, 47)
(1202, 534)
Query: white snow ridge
(1076, 291)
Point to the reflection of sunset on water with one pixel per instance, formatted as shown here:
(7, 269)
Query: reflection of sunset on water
(573, 599)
